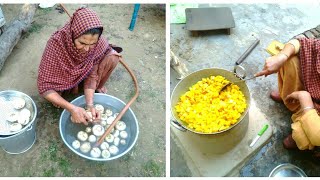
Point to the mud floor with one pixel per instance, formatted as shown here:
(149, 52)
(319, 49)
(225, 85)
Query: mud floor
(144, 52)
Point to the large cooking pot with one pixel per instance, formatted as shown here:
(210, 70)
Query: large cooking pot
(218, 142)
(69, 130)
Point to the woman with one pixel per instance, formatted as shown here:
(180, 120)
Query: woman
(77, 55)
(298, 67)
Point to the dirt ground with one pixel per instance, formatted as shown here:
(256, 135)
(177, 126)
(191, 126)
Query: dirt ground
(144, 52)
(215, 49)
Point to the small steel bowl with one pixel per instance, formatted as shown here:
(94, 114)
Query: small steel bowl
(287, 170)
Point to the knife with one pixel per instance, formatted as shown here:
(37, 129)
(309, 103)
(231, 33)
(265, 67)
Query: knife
(265, 127)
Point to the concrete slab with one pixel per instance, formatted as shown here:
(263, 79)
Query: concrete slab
(205, 162)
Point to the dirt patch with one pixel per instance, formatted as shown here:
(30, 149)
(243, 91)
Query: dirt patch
(144, 52)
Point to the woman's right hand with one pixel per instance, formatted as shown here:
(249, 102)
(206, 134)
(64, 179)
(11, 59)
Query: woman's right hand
(79, 115)
(272, 65)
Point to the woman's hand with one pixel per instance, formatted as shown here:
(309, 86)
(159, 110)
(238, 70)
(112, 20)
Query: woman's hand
(303, 97)
(89, 94)
(272, 65)
(79, 115)
(95, 114)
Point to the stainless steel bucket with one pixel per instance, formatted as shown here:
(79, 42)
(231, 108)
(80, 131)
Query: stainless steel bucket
(20, 141)
(219, 142)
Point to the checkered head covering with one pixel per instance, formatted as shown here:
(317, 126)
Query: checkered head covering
(63, 66)
(309, 55)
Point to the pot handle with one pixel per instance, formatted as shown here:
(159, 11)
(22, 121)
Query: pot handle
(177, 125)
(29, 128)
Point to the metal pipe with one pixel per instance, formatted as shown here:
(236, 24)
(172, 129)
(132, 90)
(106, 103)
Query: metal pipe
(248, 51)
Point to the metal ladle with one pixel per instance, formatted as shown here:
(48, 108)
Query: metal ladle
(229, 83)
(240, 72)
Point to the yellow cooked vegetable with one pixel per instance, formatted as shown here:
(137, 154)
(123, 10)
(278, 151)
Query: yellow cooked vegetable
(207, 111)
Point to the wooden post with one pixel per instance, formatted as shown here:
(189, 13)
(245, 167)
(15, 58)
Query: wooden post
(12, 33)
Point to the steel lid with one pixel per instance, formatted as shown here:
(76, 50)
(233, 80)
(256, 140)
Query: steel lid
(6, 107)
(287, 170)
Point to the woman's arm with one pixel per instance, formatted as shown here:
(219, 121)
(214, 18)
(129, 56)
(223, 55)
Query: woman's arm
(89, 94)
(274, 63)
(78, 114)
(310, 120)
(304, 98)
(90, 84)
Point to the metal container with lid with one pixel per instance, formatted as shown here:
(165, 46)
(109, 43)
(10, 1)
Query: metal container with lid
(18, 141)
(287, 170)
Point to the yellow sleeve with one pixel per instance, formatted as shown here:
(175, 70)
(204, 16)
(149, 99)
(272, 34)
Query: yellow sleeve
(310, 122)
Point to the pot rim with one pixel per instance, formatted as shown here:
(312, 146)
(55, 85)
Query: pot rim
(17, 94)
(201, 133)
(285, 166)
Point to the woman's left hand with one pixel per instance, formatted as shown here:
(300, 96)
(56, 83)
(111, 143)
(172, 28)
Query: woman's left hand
(95, 114)
(303, 97)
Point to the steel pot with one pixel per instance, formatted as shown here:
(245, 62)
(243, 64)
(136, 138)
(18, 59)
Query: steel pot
(19, 141)
(219, 141)
(69, 130)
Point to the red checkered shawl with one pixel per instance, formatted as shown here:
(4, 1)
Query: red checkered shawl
(310, 66)
(62, 66)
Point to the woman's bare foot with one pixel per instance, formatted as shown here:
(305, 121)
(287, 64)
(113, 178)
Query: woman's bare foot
(102, 90)
(275, 95)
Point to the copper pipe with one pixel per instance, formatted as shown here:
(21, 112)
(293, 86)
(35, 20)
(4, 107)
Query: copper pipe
(107, 132)
(65, 10)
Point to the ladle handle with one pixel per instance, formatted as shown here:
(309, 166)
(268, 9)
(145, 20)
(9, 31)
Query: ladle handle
(107, 132)
(244, 79)
(247, 52)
